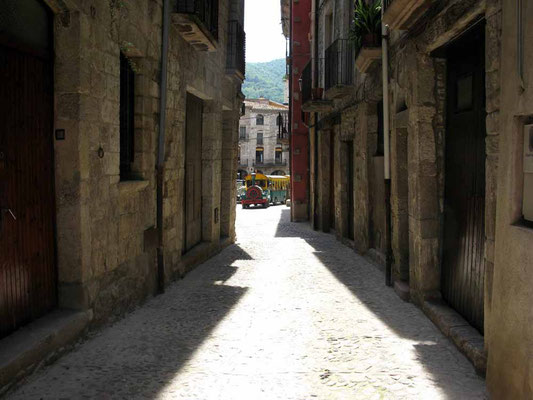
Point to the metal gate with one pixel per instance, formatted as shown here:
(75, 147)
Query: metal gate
(463, 267)
(193, 173)
(27, 256)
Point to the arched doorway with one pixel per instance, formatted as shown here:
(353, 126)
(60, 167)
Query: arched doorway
(27, 239)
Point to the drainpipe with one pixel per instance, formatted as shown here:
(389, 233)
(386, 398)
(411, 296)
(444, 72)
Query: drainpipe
(161, 145)
(386, 145)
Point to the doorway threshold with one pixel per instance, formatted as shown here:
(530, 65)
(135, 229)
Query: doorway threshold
(467, 339)
(39, 343)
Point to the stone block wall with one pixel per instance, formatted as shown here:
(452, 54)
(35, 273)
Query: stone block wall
(105, 262)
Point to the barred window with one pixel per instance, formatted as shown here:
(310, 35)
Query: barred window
(127, 130)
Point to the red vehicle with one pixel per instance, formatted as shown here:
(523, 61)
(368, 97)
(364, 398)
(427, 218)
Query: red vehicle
(257, 192)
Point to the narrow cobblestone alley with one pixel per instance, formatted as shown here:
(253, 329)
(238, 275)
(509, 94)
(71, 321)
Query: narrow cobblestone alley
(286, 313)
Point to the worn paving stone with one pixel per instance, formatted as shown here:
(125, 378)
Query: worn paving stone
(286, 313)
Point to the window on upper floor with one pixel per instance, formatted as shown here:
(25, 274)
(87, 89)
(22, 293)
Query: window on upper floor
(259, 120)
(242, 132)
(279, 155)
(259, 155)
(259, 137)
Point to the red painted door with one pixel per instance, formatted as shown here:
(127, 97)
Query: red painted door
(27, 247)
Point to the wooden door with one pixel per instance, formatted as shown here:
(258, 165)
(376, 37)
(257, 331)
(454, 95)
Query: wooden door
(349, 189)
(463, 268)
(332, 179)
(27, 244)
(193, 173)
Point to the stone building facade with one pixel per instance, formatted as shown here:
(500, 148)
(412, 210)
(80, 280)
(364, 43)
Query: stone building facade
(263, 138)
(452, 230)
(105, 83)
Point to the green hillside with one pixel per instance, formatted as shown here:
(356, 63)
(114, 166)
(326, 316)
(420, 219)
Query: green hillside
(265, 79)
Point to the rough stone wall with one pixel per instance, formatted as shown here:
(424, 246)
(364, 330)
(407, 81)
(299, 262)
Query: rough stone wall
(104, 262)
(228, 193)
(418, 85)
(509, 299)
(105, 233)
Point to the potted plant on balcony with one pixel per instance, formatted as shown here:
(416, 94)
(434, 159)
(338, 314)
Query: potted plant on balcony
(366, 32)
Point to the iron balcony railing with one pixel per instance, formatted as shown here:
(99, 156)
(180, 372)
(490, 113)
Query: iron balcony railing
(283, 126)
(269, 163)
(206, 11)
(236, 47)
(306, 82)
(339, 62)
(386, 4)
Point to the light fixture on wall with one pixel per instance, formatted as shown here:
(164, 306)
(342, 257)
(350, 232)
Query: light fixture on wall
(300, 82)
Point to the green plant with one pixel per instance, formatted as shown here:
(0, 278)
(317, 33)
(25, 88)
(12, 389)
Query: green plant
(366, 21)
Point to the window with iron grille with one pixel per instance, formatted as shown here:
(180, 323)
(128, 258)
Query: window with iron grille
(259, 137)
(127, 130)
(242, 132)
(259, 120)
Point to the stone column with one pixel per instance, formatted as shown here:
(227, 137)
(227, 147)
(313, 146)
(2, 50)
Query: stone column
(211, 170)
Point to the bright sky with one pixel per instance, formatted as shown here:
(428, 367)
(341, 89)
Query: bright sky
(264, 37)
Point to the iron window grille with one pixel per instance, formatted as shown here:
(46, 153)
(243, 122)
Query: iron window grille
(339, 60)
(127, 113)
(306, 82)
(206, 11)
(236, 49)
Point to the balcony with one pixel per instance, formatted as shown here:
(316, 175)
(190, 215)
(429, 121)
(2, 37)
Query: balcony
(270, 163)
(283, 129)
(402, 14)
(312, 98)
(339, 68)
(197, 23)
(368, 52)
(236, 50)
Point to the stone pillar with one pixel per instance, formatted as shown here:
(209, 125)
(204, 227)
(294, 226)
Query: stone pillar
(72, 160)
(324, 181)
(228, 192)
(211, 171)
(425, 148)
(361, 176)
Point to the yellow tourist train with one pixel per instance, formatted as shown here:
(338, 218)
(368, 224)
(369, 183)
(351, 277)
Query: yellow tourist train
(264, 190)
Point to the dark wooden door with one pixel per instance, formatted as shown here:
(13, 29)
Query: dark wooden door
(193, 172)
(332, 179)
(463, 268)
(27, 256)
(349, 189)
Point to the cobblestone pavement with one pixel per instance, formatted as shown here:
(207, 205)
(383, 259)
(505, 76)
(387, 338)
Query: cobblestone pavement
(286, 313)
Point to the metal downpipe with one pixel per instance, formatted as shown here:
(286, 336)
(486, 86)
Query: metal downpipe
(386, 145)
(161, 145)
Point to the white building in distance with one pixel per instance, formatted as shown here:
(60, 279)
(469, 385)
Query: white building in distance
(263, 138)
